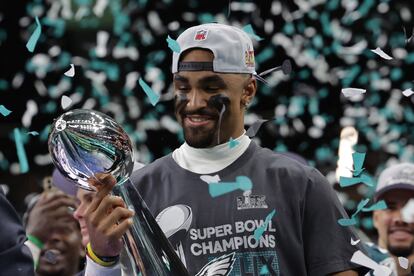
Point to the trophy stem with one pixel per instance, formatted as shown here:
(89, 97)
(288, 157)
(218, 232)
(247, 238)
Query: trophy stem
(148, 250)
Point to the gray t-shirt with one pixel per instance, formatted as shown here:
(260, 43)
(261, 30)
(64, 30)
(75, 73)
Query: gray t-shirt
(296, 204)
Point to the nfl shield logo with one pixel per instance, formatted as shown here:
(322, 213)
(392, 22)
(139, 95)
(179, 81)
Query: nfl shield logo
(201, 35)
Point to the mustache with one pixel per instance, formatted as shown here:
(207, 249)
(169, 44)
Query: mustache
(201, 112)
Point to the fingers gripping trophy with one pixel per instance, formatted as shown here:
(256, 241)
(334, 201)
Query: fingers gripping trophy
(86, 144)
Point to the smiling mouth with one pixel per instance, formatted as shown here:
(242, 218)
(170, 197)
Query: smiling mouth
(400, 229)
(196, 121)
(400, 233)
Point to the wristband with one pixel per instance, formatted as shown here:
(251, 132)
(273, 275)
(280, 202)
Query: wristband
(103, 261)
(35, 241)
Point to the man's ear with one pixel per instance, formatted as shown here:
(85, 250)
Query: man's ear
(249, 91)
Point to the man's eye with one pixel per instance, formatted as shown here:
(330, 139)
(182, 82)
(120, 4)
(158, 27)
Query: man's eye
(212, 89)
(391, 206)
(183, 88)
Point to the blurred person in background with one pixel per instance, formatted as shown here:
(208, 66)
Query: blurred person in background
(395, 225)
(54, 235)
(15, 256)
(84, 199)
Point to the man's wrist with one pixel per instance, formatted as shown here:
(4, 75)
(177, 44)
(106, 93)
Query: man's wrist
(101, 260)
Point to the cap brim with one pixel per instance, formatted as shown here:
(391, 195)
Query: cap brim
(402, 186)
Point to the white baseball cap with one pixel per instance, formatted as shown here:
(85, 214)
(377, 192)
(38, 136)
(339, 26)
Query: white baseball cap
(232, 49)
(400, 176)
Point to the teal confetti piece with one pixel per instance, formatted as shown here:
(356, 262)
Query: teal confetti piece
(367, 223)
(153, 97)
(4, 111)
(367, 180)
(352, 220)
(4, 85)
(34, 133)
(358, 158)
(173, 45)
(264, 270)
(220, 188)
(359, 176)
(380, 205)
(349, 181)
(264, 55)
(21, 153)
(347, 222)
(351, 75)
(249, 29)
(233, 143)
(361, 206)
(31, 44)
(260, 230)
(365, 7)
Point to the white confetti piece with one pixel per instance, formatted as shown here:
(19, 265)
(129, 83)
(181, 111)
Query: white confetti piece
(40, 87)
(100, 7)
(355, 49)
(66, 102)
(354, 242)
(102, 39)
(408, 92)
(71, 71)
(210, 178)
(403, 262)
(407, 212)
(121, 52)
(381, 53)
(379, 270)
(31, 111)
(349, 92)
(17, 80)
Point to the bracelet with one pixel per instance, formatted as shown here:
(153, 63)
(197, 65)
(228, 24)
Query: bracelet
(35, 241)
(103, 261)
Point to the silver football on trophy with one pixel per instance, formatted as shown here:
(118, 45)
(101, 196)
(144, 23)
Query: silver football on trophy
(85, 142)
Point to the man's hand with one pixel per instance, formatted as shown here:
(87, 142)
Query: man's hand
(107, 218)
(51, 211)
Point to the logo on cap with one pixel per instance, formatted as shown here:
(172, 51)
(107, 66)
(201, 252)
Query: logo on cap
(201, 35)
(249, 58)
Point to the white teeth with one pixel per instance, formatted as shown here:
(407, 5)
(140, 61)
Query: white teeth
(198, 119)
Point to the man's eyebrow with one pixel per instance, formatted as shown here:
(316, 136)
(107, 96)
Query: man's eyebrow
(213, 79)
(180, 78)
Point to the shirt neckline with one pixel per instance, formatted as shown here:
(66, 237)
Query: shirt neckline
(232, 167)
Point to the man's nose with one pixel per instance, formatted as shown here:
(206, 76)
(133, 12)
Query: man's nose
(196, 99)
(397, 217)
(78, 214)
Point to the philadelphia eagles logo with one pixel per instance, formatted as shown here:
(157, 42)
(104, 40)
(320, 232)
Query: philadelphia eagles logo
(220, 266)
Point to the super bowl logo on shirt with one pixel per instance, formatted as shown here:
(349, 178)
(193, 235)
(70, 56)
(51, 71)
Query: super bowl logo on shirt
(201, 35)
(249, 58)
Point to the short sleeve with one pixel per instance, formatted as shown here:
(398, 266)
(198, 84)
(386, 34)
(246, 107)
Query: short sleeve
(326, 243)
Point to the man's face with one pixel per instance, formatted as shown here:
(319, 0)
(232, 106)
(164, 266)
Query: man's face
(393, 233)
(85, 198)
(65, 244)
(200, 121)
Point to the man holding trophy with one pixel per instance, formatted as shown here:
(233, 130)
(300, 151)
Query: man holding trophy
(227, 205)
